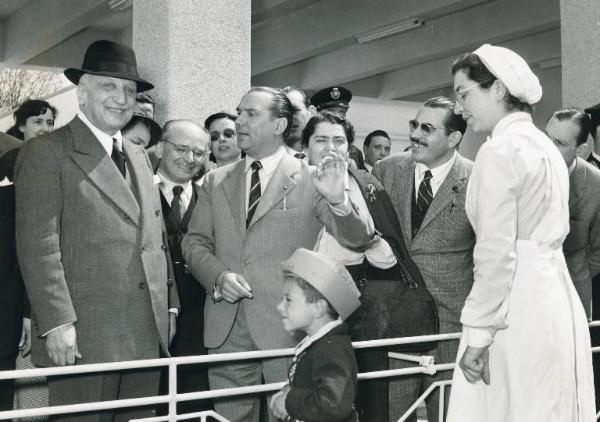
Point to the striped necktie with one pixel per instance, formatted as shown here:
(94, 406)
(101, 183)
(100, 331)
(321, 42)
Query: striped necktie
(424, 198)
(255, 191)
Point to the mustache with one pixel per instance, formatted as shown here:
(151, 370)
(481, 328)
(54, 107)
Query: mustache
(418, 141)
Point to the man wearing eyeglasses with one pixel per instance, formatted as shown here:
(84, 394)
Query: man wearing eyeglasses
(427, 187)
(183, 150)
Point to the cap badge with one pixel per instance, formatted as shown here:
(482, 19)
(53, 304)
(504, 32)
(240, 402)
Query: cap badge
(335, 94)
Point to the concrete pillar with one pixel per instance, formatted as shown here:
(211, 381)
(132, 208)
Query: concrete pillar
(196, 53)
(580, 38)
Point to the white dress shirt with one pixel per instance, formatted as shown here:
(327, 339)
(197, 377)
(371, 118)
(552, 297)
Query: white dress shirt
(439, 174)
(269, 164)
(105, 140)
(166, 187)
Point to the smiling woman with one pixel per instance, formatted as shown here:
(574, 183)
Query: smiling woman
(33, 118)
(518, 360)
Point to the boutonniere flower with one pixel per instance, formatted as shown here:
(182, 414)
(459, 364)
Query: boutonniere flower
(456, 189)
(371, 193)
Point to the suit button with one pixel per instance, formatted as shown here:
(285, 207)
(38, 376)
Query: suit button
(170, 282)
(141, 286)
(164, 248)
(157, 213)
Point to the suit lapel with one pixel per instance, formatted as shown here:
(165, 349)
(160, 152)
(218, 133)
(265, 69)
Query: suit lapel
(97, 165)
(406, 177)
(234, 186)
(281, 184)
(576, 183)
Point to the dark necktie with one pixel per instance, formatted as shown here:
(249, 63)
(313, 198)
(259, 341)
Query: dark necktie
(118, 158)
(300, 155)
(177, 207)
(255, 191)
(424, 198)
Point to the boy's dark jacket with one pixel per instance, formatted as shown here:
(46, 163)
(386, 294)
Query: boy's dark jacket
(323, 383)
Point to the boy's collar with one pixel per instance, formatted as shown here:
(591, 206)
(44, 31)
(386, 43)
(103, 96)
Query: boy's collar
(308, 340)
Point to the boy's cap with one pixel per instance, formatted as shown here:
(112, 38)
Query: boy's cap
(332, 281)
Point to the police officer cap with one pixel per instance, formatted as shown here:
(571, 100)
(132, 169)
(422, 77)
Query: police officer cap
(594, 112)
(334, 96)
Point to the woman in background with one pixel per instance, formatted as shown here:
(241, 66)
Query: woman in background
(33, 118)
(525, 350)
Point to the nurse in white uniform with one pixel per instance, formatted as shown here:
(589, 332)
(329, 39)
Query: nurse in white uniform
(525, 351)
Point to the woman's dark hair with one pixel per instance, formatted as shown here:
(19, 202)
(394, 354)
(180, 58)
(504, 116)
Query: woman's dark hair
(326, 117)
(475, 70)
(26, 110)
(217, 116)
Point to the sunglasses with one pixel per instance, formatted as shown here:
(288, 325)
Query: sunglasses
(426, 128)
(227, 133)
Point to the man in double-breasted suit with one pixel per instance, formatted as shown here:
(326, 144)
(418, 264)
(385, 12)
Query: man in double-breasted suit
(90, 240)
(250, 216)
(569, 128)
(427, 187)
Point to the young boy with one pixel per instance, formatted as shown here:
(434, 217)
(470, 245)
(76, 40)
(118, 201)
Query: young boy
(318, 296)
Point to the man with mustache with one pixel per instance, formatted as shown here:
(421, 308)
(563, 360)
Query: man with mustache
(427, 187)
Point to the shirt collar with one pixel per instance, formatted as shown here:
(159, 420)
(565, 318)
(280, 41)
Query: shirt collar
(167, 184)
(369, 167)
(508, 119)
(268, 163)
(105, 140)
(438, 173)
(308, 340)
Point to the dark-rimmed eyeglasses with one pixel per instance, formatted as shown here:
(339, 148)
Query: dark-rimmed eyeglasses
(185, 150)
(426, 128)
(227, 133)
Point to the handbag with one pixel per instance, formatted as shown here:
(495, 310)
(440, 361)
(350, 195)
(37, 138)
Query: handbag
(394, 302)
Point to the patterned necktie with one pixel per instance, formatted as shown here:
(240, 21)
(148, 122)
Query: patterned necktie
(424, 198)
(177, 207)
(255, 191)
(118, 158)
(300, 155)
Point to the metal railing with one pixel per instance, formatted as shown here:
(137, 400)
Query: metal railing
(426, 366)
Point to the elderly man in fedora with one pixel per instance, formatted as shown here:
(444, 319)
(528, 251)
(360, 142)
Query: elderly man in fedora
(90, 241)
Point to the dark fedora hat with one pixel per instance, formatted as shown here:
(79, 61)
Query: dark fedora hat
(107, 58)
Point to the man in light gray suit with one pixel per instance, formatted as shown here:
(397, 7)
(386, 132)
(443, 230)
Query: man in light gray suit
(90, 241)
(427, 187)
(250, 216)
(569, 129)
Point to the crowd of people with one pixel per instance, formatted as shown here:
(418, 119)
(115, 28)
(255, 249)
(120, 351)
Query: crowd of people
(123, 239)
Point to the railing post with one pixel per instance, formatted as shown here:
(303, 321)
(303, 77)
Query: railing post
(172, 392)
(442, 403)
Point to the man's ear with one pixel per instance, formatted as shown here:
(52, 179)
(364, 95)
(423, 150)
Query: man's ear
(454, 139)
(159, 149)
(583, 151)
(312, 110)
(281, 125)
